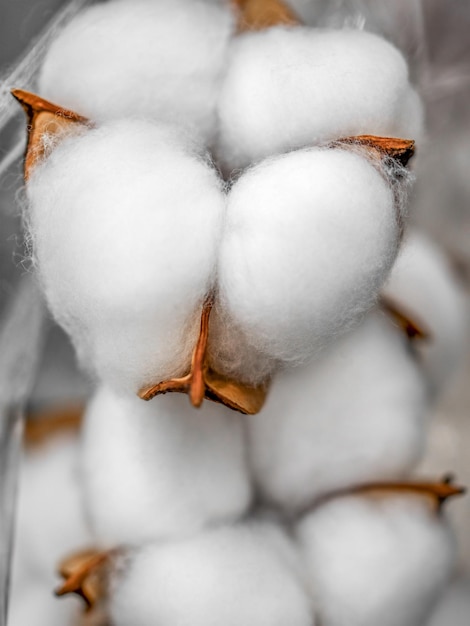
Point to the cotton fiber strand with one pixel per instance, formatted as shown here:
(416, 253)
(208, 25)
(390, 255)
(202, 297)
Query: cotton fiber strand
(233, 576)
(355, 415)
(166, 471)
(376, 560)
(290, 87)
(160, 60)
(423, 282)
(309, 239)
(125, 222)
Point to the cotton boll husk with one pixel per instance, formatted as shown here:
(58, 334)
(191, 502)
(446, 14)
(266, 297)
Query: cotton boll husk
(422, 280)
(50, 520)
(309, 239)
(286, 88)
(160, 60)
(234, 576)
(161, 469)
(355, 415)
(376, 560)
(125, 222)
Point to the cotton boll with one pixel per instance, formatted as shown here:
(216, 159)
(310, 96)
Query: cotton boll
(309, 239)
(160, 60)
(125, 222)
(376, 560)
(233, 576)
(161, 469)
(355, 415)
(423, 282)
(35, 604)
(286, 88)
(50, 517)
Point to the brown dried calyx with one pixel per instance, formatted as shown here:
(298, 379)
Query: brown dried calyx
(261, 14)
(438, 492)
(400, 150)
(86, 574)
(44, 118)
(413, 328)
(41, 426)
(202, 382)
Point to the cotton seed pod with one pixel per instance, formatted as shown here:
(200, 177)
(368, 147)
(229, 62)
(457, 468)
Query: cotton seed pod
(160, 60)
(376, 559)
(309, 239)
(235, 576)
(289, 87)
(354, 415)
(166, 471)
(125, 220)
(423, 282)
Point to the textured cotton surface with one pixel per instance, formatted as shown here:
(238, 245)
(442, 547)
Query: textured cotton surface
(289, 87)
(355, 415)
(125, 222)
(422, 281)
(309, 239)
(376, 560)
(233, 576)
(161, 469)
(161, 60)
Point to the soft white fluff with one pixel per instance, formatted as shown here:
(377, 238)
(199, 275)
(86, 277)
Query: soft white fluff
(161, 469)
(50, 525)
(288, 87)
(374, 560)
(50, 520)
(356, 415)
(125, 222)
(423, 283)
(309, 239)
(160, 60)
(235, 576)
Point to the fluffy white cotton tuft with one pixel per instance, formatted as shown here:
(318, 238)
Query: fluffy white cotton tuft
(161, 469)
(376, 560)
(125, 222)
(235, 576)
(287, 88)
(309, 239)
(422, 281)
(355, 415)
(161, 60)
(50, 520)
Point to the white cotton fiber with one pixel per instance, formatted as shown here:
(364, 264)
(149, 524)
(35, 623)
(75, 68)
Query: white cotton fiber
(50, 520)
(309, 239)
(376, 560)
(287, 87)
(423, 283)
(161, 469)
(355, 415)
(125, 222)
(235, 576)
(159, 60)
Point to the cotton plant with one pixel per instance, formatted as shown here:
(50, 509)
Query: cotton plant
(249, 278)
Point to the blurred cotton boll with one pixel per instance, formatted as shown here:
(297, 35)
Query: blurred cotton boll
(161, 469)
(290, 87)
(423, 282)
(159, 60)
(50, 524)
(356, 414)
(240, 575)
(309, 239)
(376, 559)
(125, 223)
